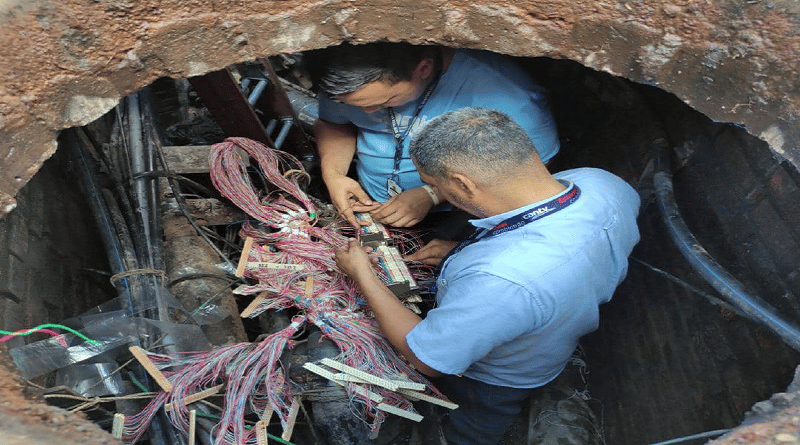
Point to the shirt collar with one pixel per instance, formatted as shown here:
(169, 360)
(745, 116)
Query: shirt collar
(491, 221)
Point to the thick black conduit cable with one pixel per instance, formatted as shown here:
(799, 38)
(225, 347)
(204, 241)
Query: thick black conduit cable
(121, 194)
(114, 250)
(726, 284)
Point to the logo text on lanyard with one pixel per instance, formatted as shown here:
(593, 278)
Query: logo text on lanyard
(516, 221)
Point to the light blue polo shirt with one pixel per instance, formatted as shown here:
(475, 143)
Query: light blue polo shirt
(512, 307)
(473, 78)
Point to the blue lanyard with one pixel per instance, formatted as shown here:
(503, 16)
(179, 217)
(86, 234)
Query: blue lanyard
(400, 137)
(517, 221)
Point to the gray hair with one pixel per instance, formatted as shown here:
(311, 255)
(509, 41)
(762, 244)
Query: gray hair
(474, 140)
(344, 69)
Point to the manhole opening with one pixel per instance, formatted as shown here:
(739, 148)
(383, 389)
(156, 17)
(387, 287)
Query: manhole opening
(667, 361)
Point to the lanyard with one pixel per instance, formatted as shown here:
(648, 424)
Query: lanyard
(519, 220)
(400, 137)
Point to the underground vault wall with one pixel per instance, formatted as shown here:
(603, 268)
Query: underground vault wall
(66, 64)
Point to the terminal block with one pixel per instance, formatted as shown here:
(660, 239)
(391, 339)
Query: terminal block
(396, 275)
(373, 233)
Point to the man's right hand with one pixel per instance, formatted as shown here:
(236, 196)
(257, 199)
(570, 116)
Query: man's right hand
(349, 198)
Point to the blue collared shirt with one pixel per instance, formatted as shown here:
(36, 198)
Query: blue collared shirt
(511, 308)
(473, 78)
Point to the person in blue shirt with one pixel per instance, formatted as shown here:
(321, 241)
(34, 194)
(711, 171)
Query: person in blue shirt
(373, 97)
(512, 300)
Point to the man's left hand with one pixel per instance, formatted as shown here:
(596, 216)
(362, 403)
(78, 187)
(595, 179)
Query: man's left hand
(432, 253)
(404, 209)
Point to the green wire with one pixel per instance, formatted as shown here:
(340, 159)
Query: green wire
(276, 438)
(95, 342)
(48, 325)
(249, 427)
(138, 383)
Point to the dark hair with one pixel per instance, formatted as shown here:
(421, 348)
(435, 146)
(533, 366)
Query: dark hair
(476, 139)
(345, 68)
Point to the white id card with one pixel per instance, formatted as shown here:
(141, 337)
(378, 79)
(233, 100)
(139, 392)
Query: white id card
(393, 188)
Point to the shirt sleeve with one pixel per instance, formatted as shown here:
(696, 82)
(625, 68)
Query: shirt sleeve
(332, 111)
(476, 313)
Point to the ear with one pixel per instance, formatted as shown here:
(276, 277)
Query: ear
(424, 68)
(464, 184)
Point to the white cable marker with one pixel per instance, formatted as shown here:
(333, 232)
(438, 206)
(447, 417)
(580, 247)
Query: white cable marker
(377, 398)
(259, 265)
(375, 380)
(192, 426)
(413, 395)
(401, 384)
(400, 412)
(287, 433)
(118, 425)
(261, 432)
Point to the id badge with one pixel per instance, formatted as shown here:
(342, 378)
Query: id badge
(393, 188)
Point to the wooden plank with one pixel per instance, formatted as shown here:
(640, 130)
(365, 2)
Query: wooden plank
(248, 245)
(400, 412)
(293, 411)
(190, 159)
(197, 396)
(377, 398)
(140, 355)
(223, 97)
(253, 305)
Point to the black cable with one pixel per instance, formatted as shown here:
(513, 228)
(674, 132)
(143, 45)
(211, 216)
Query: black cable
(693, 436)
(726, 284)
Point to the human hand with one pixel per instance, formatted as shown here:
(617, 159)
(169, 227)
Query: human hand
(353, 260)
(404, 209)
(348, 197)
(432, 253)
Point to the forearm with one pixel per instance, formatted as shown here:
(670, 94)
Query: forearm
(394, 319)
(336, 144)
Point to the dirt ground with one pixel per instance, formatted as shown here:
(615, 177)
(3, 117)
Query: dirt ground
(28, 420)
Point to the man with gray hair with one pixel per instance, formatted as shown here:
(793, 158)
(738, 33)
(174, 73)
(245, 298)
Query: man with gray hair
(513, 300)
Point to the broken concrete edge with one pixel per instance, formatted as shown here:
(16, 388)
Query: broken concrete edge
(624, 40)
(772, 421)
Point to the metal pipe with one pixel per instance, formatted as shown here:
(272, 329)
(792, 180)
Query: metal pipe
(287, 125)
(271, 126)
(244, 84)
(257, 91)
(304, 104)
(731, 289)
